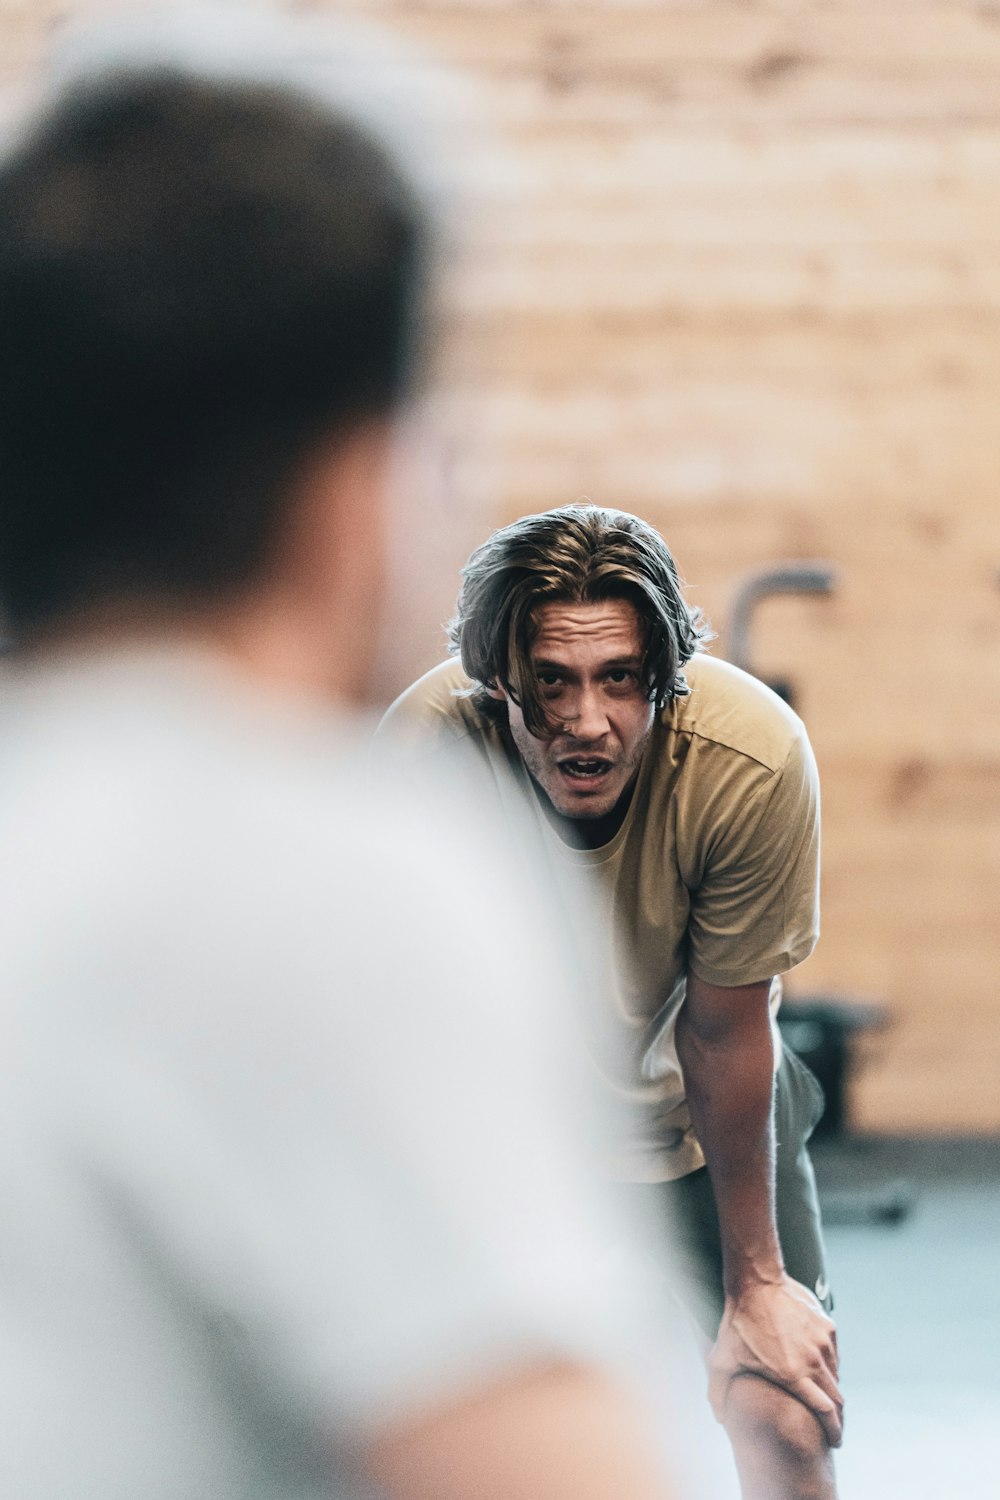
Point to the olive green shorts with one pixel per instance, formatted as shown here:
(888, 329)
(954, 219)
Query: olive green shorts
(690, 1204)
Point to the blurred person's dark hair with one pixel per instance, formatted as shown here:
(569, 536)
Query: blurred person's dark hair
(200, 280)
(576, 554)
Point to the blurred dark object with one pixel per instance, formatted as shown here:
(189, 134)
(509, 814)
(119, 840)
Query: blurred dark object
(765, 583)
(821, 1030)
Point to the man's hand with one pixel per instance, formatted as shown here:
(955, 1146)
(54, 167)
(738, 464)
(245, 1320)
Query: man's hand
(772, 1327)
(778, 1330)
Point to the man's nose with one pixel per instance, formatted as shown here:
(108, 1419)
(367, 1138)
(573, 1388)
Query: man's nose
(589, 718)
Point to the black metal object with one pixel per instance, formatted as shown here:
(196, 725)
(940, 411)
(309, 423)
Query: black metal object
(765, 583)
(820, 1028)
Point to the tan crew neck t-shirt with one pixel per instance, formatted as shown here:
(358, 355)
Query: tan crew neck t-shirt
(715, 868)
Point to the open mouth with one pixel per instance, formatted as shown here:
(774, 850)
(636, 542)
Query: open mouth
(583, 769)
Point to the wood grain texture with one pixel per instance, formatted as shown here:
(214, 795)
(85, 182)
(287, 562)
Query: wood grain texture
(737, 267)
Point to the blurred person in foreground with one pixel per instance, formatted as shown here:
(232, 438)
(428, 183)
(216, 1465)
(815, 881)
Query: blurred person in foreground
(689, 791)
(295, 1201)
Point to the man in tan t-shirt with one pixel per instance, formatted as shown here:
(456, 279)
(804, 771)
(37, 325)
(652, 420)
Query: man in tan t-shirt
(689, 791)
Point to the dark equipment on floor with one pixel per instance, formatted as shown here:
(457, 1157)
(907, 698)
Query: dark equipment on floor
(821, 1028)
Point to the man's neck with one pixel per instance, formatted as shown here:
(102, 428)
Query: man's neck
(588, 833)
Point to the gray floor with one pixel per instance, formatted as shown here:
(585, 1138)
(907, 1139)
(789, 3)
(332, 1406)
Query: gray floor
(919, 1316)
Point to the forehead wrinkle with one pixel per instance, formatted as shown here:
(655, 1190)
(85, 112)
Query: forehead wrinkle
(613, 624)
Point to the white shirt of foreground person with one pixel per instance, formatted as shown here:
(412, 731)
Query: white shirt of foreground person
(290, 1151)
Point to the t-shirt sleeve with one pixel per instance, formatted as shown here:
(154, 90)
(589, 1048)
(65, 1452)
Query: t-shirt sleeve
(755, 912)
(428, 713)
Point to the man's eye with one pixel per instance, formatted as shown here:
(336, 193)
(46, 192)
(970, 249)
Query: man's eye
(549, 679)
(621, 674)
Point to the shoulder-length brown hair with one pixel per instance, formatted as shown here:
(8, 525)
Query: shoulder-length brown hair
(577, 554)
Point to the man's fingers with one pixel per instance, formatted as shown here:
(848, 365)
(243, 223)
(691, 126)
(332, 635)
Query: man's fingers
(827, 1341)
(830, 1389)
(829, 1411)
(827, 1405)
(827, 1350)
(828, 1346)
(824, 1379)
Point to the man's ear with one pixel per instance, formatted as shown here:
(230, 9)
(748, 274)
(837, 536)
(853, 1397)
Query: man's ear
(496, 691)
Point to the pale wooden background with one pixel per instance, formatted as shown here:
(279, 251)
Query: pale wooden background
(738, 268)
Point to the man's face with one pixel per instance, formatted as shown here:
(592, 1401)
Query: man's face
(587, 660)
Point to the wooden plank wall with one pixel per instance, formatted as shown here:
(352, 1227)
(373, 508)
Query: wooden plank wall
(737, 268)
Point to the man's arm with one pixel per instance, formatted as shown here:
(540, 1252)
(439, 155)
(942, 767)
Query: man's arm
(550, 1433)
(772, 1326)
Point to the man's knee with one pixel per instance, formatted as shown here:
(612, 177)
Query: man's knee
(758, 1410)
